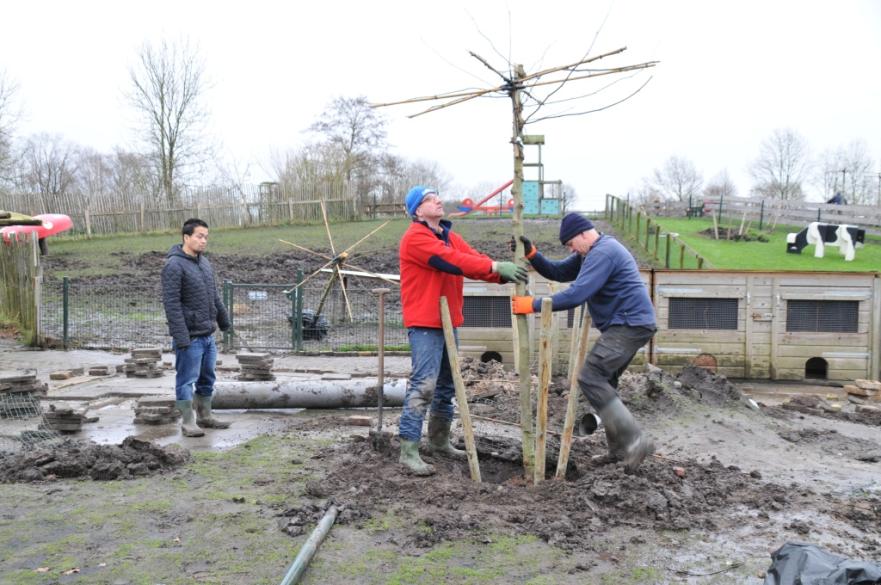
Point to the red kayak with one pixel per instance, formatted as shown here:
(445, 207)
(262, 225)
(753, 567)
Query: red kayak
(51, 224)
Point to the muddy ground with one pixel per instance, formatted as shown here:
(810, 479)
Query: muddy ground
(731, 483)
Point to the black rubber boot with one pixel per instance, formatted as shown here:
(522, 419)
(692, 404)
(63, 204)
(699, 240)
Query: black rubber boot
(627, 443)
(439, 438)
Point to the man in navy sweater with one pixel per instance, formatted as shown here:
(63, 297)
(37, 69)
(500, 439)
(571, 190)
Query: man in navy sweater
(605, 277)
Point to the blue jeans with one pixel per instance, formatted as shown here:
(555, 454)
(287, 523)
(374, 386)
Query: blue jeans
(195, 367)
(431, 382)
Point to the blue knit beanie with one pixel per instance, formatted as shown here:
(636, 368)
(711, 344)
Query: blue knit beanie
(415, 196)
(572, 225)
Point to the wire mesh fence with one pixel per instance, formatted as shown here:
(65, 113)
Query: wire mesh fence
(24, 421)
(316, 317)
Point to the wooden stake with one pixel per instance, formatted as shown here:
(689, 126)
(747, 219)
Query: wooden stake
(572, 404)
(544, 382)
(573, 343)
(459, 384)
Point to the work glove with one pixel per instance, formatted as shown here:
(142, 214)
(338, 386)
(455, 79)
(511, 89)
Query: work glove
(528, 249)
(510, 272)
(521, 305)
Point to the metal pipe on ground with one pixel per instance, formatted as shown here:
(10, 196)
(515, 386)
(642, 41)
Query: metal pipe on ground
(309, 548)
(360, 392)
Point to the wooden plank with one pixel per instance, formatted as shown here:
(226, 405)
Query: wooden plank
(775, 328)
(698, 336)
(811, 339)
(857, 365)
(818, 350)
(875, 329)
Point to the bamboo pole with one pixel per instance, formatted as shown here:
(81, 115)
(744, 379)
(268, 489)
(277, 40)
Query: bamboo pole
(572, 403)
(459, 384)
(526, 423)
(544, 382)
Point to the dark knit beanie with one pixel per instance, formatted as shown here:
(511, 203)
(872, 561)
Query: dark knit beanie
(572, 225)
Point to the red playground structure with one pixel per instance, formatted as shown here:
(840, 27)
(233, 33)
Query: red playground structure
(468, 206)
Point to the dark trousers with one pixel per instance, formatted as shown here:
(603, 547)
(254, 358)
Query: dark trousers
(607, 360)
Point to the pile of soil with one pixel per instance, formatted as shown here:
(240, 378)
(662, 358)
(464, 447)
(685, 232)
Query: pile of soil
(72, 459)
(495, 392)
(730, 233)
(367, 481)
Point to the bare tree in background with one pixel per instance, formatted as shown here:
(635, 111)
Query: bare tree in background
(134, 176)
(720, 186)
(568, 197)
(356, 130)
(678, 179)
(47, 166)
(782, 166)
(848, 170)
(168, 87)
(8, 118)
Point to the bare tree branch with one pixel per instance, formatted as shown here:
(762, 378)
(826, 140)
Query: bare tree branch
(488, 40)
(453, 65)
(590, 94)
(606, 107)
(593, 41)
(488, 66)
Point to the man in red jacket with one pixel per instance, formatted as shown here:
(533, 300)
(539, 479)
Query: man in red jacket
(434, 262)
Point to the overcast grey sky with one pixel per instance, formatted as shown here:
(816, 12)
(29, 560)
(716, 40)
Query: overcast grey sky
(730, 74)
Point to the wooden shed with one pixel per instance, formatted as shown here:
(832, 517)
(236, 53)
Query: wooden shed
(744, 324)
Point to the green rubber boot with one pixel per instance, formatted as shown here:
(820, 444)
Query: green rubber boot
(412, 461)
(188, 426)
(439, 438)
(627, 443)
(204, 418)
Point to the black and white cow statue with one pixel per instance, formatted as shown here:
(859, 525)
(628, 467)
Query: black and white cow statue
(846, 237)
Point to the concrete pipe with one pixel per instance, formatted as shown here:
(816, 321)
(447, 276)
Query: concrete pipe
(358, 392)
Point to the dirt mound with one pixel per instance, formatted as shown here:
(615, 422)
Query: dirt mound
(70, 459)
(730, 233)
(570, 514)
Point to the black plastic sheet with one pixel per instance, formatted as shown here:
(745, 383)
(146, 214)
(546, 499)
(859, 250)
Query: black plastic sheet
(806, 564)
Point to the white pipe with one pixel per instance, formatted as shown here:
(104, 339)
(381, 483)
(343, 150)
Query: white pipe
(358, 392)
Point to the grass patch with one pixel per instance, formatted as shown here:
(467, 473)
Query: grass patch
(770, 255)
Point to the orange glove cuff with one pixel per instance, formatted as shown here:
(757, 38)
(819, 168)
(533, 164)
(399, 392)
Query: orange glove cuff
(521, 305)
(531, 254)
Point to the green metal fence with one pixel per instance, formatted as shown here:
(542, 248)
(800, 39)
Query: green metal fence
(115, 314)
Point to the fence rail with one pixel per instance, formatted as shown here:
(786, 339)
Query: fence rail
(99, 315)
(634, 223)
(220, 207)
(772, 211)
